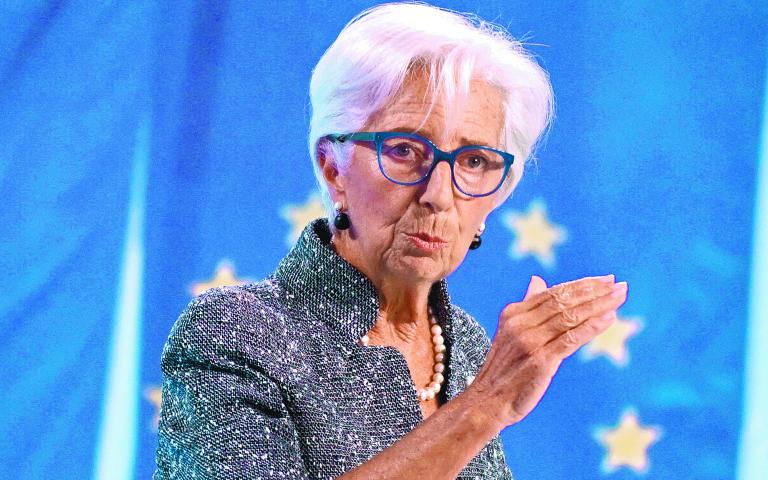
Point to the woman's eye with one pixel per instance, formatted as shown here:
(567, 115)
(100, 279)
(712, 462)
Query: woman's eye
(403, 150)
(476, 162)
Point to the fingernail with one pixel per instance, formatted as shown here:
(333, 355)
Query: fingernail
(607, 316)
(619, 289)
(607, 278)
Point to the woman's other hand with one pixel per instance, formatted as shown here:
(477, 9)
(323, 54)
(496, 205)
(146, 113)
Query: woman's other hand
(534, 337)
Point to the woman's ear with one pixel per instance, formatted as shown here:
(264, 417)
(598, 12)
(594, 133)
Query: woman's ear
(329, 167)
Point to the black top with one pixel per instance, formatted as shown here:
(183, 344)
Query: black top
(268, 380)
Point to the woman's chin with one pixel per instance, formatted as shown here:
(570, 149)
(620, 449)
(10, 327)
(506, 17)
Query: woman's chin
(417, 267)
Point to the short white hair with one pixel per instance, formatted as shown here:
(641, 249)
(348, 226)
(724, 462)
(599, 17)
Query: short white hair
(368, 63)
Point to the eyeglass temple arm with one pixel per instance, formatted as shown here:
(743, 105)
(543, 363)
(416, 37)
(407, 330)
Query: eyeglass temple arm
(343, 137)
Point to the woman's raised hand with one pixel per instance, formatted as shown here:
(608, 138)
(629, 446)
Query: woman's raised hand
(534, 337)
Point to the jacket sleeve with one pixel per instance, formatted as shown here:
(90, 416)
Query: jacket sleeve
(475, 344)
(222, 414)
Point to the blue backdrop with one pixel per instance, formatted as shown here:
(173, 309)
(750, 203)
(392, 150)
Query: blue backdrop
(150, 150)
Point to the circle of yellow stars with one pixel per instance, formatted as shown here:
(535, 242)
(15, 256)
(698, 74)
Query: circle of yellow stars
(627, 444)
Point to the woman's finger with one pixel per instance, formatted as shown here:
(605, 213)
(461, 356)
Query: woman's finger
(570, 293)
(541, 307)
(571, 317)
(559, 297)
(535, 286)
(571, 340)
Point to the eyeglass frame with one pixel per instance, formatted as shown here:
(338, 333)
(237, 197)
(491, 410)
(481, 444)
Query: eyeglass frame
(440, 156)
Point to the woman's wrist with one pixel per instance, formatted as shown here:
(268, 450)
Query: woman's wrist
(440, 446)
(484, 408)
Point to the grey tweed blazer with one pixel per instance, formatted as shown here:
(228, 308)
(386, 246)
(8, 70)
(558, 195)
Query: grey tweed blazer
(268, 380)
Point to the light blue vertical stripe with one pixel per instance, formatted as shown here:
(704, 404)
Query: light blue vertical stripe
(117, 442)
(753, 449)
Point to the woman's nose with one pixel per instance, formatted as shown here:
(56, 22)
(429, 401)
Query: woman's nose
(438, 188)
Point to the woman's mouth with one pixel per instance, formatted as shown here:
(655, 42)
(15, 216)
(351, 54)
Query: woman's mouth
(426, 242)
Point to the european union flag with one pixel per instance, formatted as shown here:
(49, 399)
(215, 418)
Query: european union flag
(150, 151)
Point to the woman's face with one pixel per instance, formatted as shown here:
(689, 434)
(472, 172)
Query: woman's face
(422, 232)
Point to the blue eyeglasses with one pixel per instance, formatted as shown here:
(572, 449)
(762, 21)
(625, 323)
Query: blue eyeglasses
(409, 159)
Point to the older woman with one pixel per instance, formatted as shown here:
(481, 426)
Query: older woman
(350, 360)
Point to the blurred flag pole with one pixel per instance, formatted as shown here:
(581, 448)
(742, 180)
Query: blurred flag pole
(115, 457)
(753, 448)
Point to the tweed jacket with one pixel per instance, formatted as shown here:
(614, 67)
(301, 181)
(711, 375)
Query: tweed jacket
(269, 380)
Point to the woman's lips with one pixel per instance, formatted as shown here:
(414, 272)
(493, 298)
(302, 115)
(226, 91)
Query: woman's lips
(426, 242)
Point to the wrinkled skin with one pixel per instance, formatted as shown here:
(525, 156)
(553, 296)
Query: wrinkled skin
(384, 213)
(385, 216)
(533, 337)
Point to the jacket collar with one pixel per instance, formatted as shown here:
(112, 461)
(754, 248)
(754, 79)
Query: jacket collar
(342, 295)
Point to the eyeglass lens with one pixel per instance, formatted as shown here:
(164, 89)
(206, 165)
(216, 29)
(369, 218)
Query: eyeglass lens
(477, 171)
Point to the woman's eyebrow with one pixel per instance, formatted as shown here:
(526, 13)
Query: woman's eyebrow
(428, 135)
(466, 141)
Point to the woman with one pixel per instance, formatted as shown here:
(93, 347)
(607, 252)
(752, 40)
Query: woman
(350, 360)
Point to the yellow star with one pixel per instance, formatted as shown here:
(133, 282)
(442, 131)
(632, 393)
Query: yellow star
(300, 215)
(224, 275)
(613, 342)
(154, 395)
(534, 234)
(627, 444)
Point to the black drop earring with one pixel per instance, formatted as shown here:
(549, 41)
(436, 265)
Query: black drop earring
(477, 241)
(341, 220)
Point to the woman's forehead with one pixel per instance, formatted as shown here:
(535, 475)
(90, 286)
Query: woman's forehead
(474, 118)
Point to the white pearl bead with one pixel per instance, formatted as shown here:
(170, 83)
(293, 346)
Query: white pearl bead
(470, 379)
(438, 342)
(364, 340)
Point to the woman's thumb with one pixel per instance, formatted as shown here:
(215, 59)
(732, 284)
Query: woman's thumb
(537, 285)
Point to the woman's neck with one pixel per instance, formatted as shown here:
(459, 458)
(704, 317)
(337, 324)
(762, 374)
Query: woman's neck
(403, 307)
(403, 311)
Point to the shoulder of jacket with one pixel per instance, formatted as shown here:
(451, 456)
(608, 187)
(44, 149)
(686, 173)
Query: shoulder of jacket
(241, 320)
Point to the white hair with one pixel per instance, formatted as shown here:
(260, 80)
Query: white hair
(367, 65)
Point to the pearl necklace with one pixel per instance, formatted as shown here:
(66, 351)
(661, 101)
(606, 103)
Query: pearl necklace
(438, 343)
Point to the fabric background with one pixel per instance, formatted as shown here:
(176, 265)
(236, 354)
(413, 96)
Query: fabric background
(145, 146)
